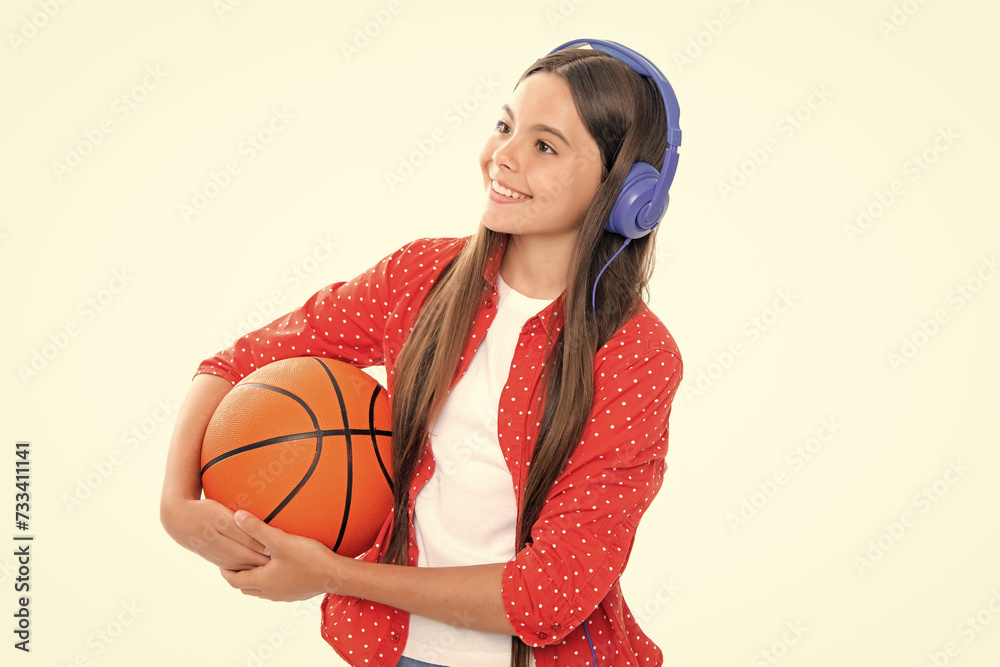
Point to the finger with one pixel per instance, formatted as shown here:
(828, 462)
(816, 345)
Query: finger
(262, 533)
(241, 579)
(255, 546)
(239, 558)
(222, 522)
(245, 541)
(227, 551)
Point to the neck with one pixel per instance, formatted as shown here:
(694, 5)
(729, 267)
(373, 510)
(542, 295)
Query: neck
(538, 267)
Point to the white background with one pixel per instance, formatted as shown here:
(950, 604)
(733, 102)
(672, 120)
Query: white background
(871, 548)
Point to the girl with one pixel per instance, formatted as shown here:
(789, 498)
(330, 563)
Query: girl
(530, 394)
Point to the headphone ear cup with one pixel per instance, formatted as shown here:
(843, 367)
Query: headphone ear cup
(628, 217)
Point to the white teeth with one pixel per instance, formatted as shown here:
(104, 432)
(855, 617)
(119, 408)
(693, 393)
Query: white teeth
(507, 192)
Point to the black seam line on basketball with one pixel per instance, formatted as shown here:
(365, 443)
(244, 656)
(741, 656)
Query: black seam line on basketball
(288, 438)
(375, 433)
(350, 457)
(264, 443)
(319, 446)
(291, 437)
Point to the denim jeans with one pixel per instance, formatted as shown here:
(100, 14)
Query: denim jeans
(410, 662)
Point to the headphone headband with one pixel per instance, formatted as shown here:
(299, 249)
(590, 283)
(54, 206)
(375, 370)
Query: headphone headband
(650, 213)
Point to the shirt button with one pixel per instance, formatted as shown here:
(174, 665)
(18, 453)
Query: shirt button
(394, 637)
(555, 627)
(489, 303)
(541, 635)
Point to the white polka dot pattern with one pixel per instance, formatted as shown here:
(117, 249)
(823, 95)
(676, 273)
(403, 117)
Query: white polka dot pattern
(581, 542)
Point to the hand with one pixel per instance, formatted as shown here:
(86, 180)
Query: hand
(206, 527)
(299, 567)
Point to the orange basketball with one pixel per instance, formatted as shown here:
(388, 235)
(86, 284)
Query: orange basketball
(304, 444)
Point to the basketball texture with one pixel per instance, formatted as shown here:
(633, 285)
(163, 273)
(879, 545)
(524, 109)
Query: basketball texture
(304, 444)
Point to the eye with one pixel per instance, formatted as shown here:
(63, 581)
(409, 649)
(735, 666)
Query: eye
(501, 126)
(545, 148)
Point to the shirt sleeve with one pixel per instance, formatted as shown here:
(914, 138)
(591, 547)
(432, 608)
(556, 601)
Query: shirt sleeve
(584, 534)
(344, 321)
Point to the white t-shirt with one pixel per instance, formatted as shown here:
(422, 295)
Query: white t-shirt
(466, 514)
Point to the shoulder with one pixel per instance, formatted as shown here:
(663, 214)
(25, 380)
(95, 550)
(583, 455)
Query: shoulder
(644, 332)
(407, 276)
(419, 261)
(429, 252)
(643, 339)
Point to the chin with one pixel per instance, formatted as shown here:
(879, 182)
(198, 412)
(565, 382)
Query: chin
(491, 223)
(501, 226)
(523, 221)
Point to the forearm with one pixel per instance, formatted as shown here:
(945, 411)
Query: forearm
(182, 479)
(467, 597)
(202, 526)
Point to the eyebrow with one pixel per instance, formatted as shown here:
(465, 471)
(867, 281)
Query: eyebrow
(539, 127)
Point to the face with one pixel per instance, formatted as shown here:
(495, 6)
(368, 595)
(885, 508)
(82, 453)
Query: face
(540, 166)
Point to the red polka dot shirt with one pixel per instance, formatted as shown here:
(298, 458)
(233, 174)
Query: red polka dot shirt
(568, 575)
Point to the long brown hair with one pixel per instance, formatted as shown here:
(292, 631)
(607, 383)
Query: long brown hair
(624, 114)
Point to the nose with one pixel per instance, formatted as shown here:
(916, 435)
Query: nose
(506, 153)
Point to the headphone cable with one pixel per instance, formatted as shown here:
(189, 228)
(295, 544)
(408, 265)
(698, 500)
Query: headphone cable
(593, 297)
(592, 651)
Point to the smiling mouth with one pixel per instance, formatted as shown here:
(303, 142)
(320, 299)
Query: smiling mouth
(507, 192)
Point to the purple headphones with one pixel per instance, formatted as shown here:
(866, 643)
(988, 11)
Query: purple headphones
(646, 192)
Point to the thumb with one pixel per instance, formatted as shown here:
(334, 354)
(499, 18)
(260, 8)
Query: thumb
(256, 529)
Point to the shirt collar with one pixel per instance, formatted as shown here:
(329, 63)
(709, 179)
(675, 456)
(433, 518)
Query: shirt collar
(492, 266)
(551, 317)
